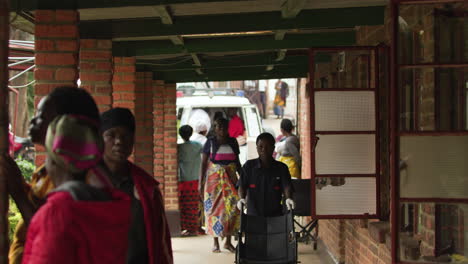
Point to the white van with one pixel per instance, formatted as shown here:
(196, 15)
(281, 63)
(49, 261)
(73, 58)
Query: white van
(214, 103)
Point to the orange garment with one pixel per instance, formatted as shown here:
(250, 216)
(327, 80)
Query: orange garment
(40, 186)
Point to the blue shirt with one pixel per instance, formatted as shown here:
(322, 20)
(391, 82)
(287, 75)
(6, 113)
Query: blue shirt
(189, 154)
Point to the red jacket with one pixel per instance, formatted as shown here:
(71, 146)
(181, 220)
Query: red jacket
(236, 127)
(79, 232)
(157, 230)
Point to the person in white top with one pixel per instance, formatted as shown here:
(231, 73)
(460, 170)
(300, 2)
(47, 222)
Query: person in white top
(201, 123)
(199, 134)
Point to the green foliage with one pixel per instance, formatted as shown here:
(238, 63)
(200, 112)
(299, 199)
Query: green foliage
(14, 216)
(27, 168)
(30, 94)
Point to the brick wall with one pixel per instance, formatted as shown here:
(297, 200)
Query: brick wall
(113, 83)
(361, 248)
(4, 36)
(158, 135)
(170, 148)
(332, 233)
(427, 229)
(144, 121)
(165, 141)
(56, 54)
(124, 85)
(345, 240)
(96, 70)
(304, 127)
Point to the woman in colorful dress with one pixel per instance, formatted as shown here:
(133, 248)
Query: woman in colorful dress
(288, 149)
(218, 178)
(279, 103)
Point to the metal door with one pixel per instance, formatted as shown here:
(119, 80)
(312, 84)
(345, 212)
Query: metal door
(344, 132)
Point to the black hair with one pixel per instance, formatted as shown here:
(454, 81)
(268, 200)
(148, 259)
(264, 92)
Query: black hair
(185, 132)
(266, 136)
(73, 100)
(287, 125)
(222, 122)
(118, 117)
(218, 115)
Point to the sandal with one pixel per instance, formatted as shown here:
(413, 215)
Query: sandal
(215, 250)
(186, 233)
(230, 248)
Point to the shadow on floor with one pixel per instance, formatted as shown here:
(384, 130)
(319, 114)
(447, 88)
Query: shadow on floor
(197, 250)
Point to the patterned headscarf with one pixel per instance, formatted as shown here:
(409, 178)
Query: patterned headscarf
(74, 142)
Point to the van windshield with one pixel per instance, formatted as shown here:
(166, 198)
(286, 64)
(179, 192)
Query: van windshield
(251, 121)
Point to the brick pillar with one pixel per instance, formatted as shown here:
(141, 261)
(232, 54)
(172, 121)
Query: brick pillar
(158, 135)
(96, 70)
(56, 54)
(304, 127)
(4, 36)
(170, 148)
(144, 121)
(123, 85)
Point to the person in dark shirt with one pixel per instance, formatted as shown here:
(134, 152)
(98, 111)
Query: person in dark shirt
(264, 181)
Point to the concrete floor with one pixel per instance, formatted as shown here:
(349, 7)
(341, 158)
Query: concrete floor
(197, 250)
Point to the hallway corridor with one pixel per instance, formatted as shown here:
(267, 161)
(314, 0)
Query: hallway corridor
(196, 250)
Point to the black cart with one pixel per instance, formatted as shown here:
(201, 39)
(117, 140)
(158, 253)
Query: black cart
(264, 240)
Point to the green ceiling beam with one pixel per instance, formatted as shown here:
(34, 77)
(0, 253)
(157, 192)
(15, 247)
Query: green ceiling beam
(196, 59)
(291, 8)
(163, 13)
(30, 5)
(177, 40)
(281, 55)
(293, 41)
(234, 62)
(279, 34)
(225, 23)
(252, 61)
(233, 74)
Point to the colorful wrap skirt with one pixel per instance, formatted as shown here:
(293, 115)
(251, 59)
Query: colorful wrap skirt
(189, 201)
(222, 218)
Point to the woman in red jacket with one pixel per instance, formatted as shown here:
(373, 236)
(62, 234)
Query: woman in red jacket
(149, 237)
(79, 224)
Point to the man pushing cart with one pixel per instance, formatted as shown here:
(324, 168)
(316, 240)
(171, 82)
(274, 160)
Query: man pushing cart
(267, 230)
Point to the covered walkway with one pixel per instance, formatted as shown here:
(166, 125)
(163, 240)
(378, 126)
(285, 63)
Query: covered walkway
(383, 85)
(197, 250)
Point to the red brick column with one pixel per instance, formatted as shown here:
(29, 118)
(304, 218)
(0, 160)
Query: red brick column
(123, 85)
(158, 135)
(96, 70)
(4, 36)
(170, 148)
(144, 121)
(56, 54)
(304, 127)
